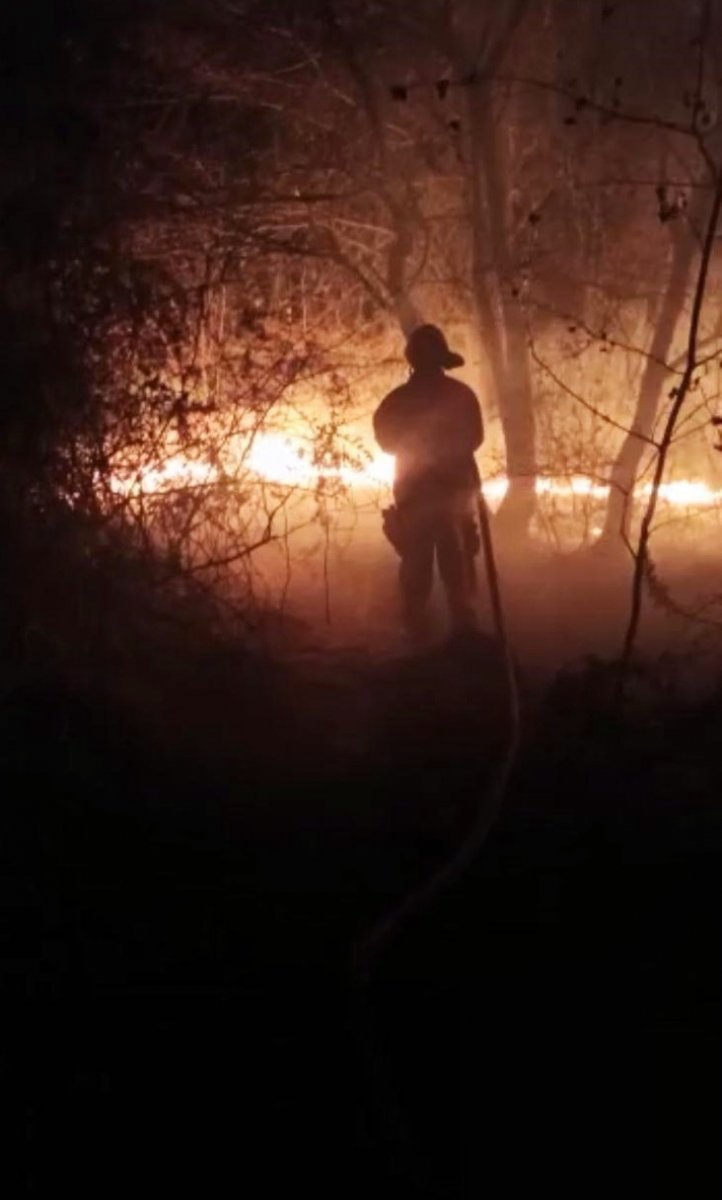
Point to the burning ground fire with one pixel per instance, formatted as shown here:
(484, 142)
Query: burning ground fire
(283, 460)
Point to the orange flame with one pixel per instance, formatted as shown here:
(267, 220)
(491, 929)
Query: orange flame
(283, 459)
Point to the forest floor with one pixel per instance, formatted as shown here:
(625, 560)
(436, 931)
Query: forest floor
(185, 878)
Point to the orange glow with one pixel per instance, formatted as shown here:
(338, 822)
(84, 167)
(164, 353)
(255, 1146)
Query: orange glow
(284, 459)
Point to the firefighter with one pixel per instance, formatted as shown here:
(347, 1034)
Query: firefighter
(432, 424)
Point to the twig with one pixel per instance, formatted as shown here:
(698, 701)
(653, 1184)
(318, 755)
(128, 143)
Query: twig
(642, 552)
(574, 395)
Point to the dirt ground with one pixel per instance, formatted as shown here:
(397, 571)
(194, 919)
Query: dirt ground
(190, 856)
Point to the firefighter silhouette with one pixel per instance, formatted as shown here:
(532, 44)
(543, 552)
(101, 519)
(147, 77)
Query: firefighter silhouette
(432, 424)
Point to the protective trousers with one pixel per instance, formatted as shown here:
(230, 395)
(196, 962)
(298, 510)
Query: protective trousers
(441, 529)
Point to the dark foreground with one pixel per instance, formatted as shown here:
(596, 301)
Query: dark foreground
(180, 1016)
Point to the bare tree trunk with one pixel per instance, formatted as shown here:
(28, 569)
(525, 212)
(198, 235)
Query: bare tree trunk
(516, 406)
(626, 466)
(502, 322)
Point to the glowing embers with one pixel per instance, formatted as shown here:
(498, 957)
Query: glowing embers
(680, 493)
(175, 473)
(291, 461)
(576, 485)
(285, 460)
(273, 457)
(687, 493)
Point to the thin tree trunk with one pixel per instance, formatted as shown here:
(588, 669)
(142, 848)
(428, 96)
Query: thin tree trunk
(626, 465)
(517, 411)
(509, 353)
(641, 562)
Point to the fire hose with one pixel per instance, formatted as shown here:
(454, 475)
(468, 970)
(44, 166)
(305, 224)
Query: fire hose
(390, 925)
(366, 952)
